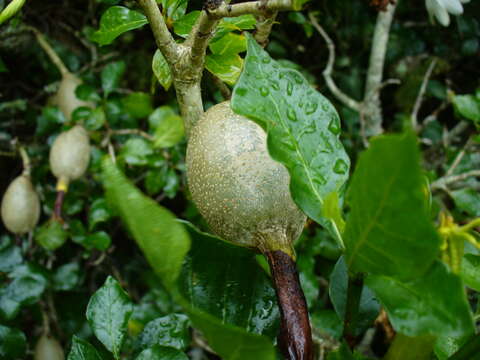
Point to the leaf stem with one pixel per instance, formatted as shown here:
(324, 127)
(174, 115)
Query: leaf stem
(295, 338)
(354, 293)
(410, 348)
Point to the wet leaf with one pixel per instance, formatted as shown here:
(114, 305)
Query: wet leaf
(13, 343)
(82, 350)
(162, 70)
(227, 67)
(171, 331)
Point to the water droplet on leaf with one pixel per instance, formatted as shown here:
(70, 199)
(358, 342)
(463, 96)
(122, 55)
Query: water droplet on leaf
(291, 114)
(311, 108)
(264, 91)
(275, 85)
(289, 88)
(319, 180)
(340, 166)
(334, 126)
(241, 91)
(266, 60)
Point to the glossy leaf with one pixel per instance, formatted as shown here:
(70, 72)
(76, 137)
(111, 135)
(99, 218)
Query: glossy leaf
(169, 130)
(138, 104)
(226, 67)
(10, 255)
(231, 43)
(51, 235)
(66, 277)
(468, 106)
(161, 353)
(82, 350)
(389, 231)
(434, 304)
(108, 312)
(184, 25)
(368, 308)
(468, 200)
(175, 9)
(13, 343)
(27, 284)
(162, 70)
(303, 129)
(136, 150)
(171, 331)
(111, 75)
(99, 212)
(115, 21)
(471, 271)
(163, 241)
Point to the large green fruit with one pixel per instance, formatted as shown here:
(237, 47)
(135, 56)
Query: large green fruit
(48, 348)
(20, 206)
(238, 188)
(70, 154)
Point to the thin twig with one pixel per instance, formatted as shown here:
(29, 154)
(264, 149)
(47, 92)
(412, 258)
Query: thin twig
(264, 27)
(458, 158)
(132, 132)
(421, 93)
(224, 89)
(327, 73)
(250, 7)
(50, 52)
(444, 181)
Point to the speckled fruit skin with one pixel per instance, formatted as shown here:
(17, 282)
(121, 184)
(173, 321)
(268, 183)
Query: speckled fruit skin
(70, 153)
(48, 348)
(65, 99)
(238, 188)
(20, 206)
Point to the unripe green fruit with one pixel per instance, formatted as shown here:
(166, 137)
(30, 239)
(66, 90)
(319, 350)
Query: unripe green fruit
(238, 188)
(70, 154)
(65, 99)
(20, 206)
(48, 348)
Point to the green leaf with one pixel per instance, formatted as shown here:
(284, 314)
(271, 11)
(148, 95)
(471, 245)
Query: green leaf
(471, 271)
(13, 343)
(99, 240)
(163, 241)
(51, 235)
(468, 200)
(175, 8)
(171, 330)
(184, 25)
(162, 70)
(303, 129)
(468, 106)
(66, 277)
(27, 284)
(434, 304)
(92, 119)
(226, 295)
(389, 231)
(161, 353)
(368, 307)
(136, 150)
(82, 350)
(111, 75)
(108, 312)
(326, 321)
(10, 255)
(169, 129)
(227, 67)
(138, 104)
(115, 21)
(298, 4)
(229, 44)
(99, 212)
(10, 10)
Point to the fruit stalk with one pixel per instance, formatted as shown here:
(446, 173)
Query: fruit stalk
(295, 338)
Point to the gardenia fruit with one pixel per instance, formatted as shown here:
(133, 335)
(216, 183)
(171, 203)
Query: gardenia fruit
(238, 188)
(48, 348)
(70, 154)
(441, 9)
(66, 99)
(20, 206)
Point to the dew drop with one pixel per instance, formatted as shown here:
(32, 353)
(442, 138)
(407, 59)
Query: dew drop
(319, 180)
(340, 167)
(325, 107)
(334, 126)
(241, 91)
(264, 91)
(291, 114)
(266, 60)
(298, 78)
(281, 75)
(289, 88)
(311, 128)
(311, 108)
(275, 85)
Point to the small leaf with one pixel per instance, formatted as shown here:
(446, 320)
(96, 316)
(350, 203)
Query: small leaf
(184, 25)
(115, 21)
(169, 131)
(10, 255)
(227, 67)
(13, 343)
(421, 306)
(468, 200)
(138, 104)
(136, 150)
(174, 8)
(389, 231)
(99, 212)
(303, 130)
(51, 235)
(471, 271)
(82, 350)
(111, 75)
(99, 240)
(171, 330)
(161, 353)
(108, 312)
(468, 106)
(66, 277)
(229, 44)
(162, 70)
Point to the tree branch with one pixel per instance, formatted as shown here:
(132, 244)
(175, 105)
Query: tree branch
(163, 38)
(446, 180)
(250, 7)
(421, 93)
(264, 27)
(199, 37)
(327, 73)
(372, 108)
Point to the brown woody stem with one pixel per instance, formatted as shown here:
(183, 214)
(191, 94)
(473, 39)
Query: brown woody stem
(295, 338)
